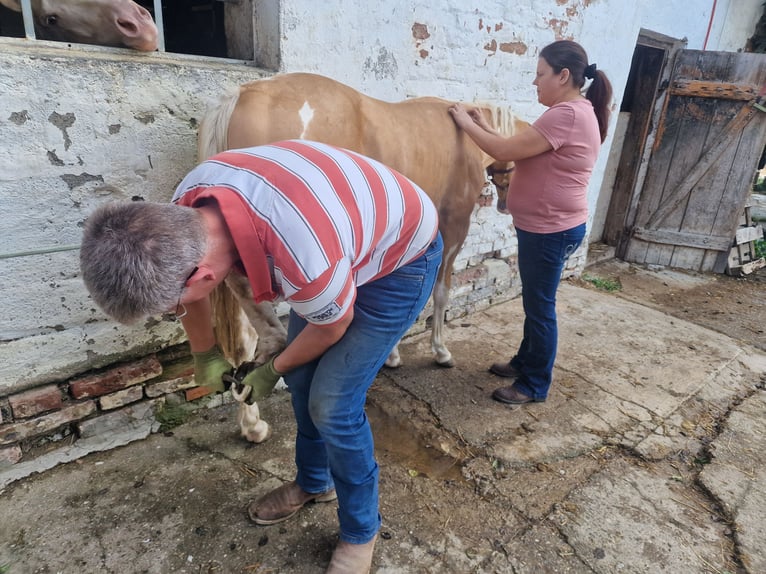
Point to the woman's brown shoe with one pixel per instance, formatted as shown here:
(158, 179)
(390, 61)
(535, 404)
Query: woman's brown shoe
(283, 502)
(352, 558)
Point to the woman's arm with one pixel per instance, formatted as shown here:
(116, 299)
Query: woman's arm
(527, 143)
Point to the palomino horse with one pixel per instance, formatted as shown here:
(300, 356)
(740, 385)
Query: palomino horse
(121, 23)
(417, 137)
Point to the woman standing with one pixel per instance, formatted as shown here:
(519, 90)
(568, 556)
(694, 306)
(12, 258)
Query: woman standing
(547, 199)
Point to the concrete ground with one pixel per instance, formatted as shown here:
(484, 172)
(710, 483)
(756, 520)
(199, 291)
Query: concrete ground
(647, 457)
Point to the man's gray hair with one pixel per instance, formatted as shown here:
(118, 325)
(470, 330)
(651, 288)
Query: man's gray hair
(135, 257)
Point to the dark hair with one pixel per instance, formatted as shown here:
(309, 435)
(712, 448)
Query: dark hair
(135, 257)
(568, 54)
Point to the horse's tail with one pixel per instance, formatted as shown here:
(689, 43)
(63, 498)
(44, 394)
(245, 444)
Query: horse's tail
(214, 127)
(232, 329)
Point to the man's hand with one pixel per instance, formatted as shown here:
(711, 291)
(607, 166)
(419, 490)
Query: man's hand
(262, 379)
(209, 367)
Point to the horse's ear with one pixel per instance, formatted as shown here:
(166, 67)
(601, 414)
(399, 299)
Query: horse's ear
(14, 5)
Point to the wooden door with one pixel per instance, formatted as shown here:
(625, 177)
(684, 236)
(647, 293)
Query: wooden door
(706, 148)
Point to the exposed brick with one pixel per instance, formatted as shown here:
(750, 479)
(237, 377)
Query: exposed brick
(121, 398)
(171, 386)
(9, 455)
(15, 432)
(35, 401)
(197, 392)
(118, 378)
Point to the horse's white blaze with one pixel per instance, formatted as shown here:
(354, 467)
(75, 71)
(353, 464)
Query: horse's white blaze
(306, 114)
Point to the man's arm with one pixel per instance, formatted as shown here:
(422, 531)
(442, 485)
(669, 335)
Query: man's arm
(311, 343)
(209, 363)
(198, 324)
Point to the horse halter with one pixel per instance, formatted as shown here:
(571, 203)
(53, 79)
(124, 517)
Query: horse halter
(491, 173)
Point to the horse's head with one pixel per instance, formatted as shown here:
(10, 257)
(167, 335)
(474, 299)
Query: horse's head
(500, 173)
(121, 23)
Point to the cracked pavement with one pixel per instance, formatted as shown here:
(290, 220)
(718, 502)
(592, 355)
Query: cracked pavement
(647, 457)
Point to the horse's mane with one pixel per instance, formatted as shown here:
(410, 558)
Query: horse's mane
(501, 117)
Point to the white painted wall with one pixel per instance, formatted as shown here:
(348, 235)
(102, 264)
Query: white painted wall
(487, 49)
(81, 127)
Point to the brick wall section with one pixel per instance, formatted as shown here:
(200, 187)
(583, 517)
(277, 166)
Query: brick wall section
(110, 402)
(115, 379)
(36, 401)
(125, 400)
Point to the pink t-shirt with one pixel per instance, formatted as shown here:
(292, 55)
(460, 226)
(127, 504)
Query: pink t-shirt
(548, 192)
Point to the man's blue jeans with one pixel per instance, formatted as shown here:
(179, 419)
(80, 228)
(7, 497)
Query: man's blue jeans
(334, 445)
(541, 262)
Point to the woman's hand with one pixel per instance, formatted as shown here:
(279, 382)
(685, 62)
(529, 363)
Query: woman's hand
(461, 116)
(468, 117)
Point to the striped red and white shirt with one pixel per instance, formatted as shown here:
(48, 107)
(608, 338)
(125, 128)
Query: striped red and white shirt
(311, 222)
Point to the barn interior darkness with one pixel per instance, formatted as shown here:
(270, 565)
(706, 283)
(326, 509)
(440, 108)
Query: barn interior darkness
(191, 26)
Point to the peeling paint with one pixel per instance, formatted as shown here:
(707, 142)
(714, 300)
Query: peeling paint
(62, 123)
(114, 129)
(498, 26)
(74, 181)
(384, 66)
(559, 27)
(424, 54)
(53, 158)
(145, 117)
(518, 48)
(420, 31)
(491, 46)
(19, 118)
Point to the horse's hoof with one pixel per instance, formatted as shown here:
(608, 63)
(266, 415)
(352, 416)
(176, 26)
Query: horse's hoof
(393, 364)
(448, 364)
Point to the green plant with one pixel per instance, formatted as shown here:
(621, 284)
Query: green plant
(609, 285)
(5, 568)
(170, 416)
(760, 248)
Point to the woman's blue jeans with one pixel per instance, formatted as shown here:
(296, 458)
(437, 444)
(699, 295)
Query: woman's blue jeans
(541, 262)
(334, 445)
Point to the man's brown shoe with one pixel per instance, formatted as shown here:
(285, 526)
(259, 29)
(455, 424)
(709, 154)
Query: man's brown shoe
(512, 396)
(352, 558)
(283, 502)
(504, 370)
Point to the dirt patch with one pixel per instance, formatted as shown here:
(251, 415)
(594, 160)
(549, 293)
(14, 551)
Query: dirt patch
(733, 306)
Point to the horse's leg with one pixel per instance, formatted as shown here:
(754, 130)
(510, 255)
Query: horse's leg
(394, 358)
(272, 338)
(442, 355)
(251, 425)
(272, 335)
(454, 221)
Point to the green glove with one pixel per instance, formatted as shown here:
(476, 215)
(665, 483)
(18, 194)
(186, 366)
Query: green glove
(209, 367)
(262, 379)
